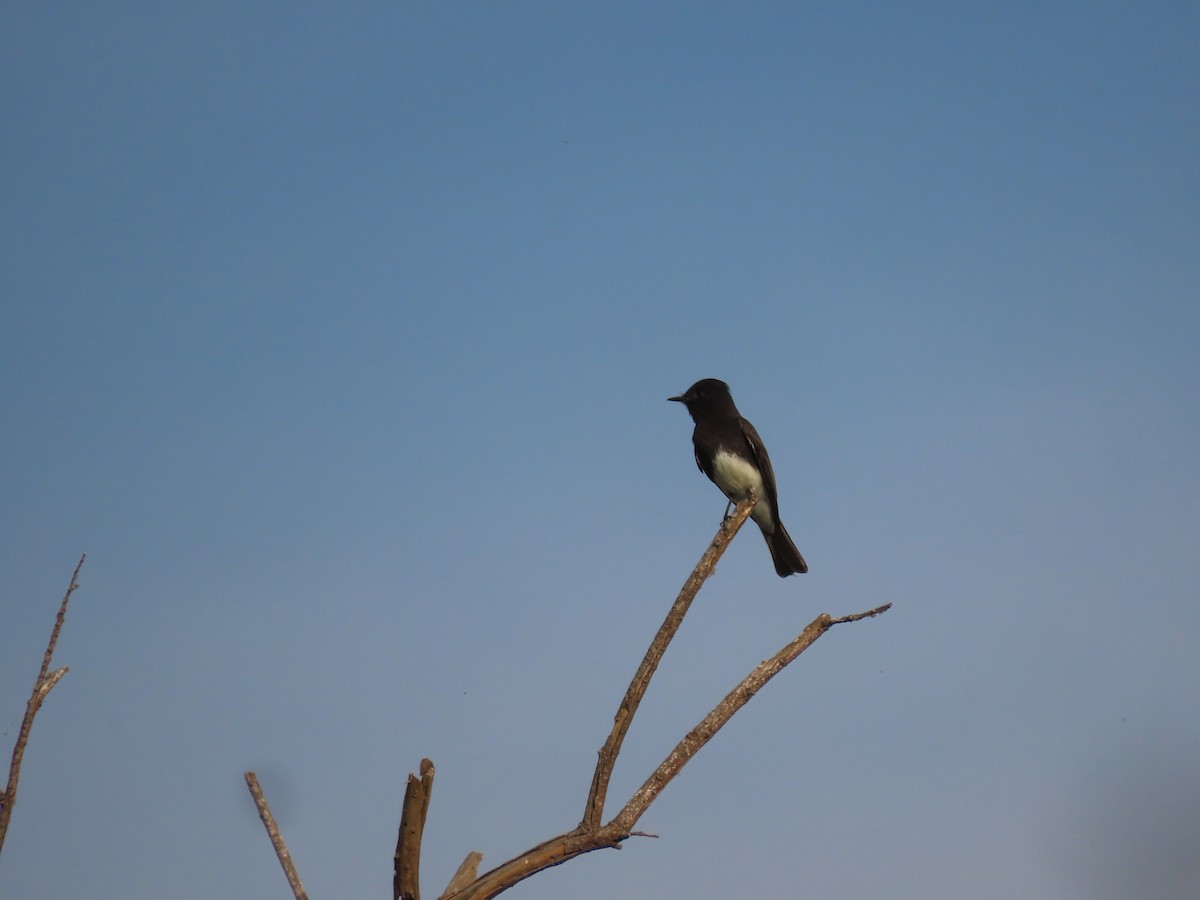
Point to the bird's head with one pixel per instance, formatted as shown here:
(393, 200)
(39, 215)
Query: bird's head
(708, 393)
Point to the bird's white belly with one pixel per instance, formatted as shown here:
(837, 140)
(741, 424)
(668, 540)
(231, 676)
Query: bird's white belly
(736, 477)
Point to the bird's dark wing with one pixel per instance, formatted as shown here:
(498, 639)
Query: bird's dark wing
(764, 465)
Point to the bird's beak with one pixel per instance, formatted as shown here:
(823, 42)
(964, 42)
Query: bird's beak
(676, 399)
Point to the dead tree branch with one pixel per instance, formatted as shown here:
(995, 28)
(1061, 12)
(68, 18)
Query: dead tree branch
(46, 680)
(723, 712)
(590, 835)
(281, 850)
(406, 872)
(577, 842)
(594, 809)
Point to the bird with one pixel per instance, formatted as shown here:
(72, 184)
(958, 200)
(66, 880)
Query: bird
(732, 455)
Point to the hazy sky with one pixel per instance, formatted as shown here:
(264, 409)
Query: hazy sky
(340, 338)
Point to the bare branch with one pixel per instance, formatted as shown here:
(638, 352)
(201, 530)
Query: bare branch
(549, 853)
(406, 873)
(594, 809)
(46, 681)
(583, 839)
(574, 843)
(281, 850)
(723, 712)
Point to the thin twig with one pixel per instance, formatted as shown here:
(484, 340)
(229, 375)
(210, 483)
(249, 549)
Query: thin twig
(607, 757)
(281, 850)
(46, 681)
(406, 871)
(869, 614)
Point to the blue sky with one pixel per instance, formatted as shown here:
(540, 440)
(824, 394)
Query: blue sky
(340, 339)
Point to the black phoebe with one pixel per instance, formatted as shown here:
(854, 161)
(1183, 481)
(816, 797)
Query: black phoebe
(730, 452)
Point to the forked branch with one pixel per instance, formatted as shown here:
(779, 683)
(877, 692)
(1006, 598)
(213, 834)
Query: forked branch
(594, 809)
(46, 680)
(590, 835)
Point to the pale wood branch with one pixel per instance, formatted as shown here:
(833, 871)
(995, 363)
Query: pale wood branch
(281, 850)
(46, 680)
(467, 872)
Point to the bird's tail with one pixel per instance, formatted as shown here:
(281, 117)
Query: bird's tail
(784, 554)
